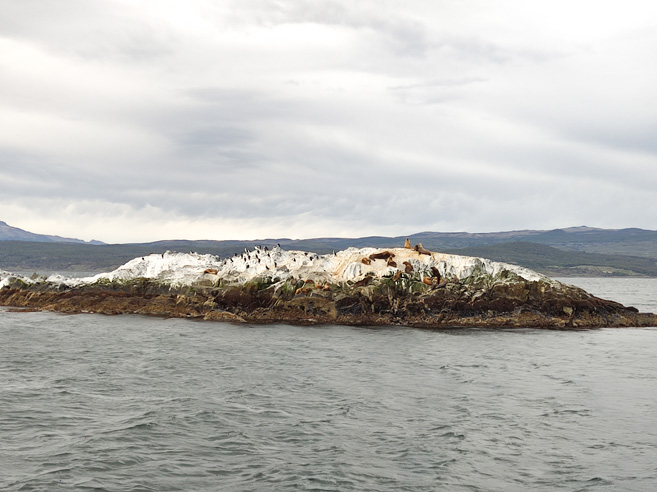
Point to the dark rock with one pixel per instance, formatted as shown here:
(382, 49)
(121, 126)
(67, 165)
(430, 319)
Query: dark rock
(477, 301)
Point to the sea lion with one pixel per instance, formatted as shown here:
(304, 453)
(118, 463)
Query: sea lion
(366, 261)
(435, 272)
(396, 276)
(326, 287)
(391, 263)
(407, 244)
(429, 280)
(213, 271)
(420, 249)
(409, 267)
(383, 255)
(362, 283)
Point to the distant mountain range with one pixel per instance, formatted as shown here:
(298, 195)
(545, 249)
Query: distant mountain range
(583, 251)
(9, 233)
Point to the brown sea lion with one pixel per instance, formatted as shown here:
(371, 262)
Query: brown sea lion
(391, 263)
(213, 271)
(396, 276)
(420, 249)
(383, 255)
(409, 267)
(435, 272)
(366, 261)
(407, 244)
(429, 280)
(362, 283)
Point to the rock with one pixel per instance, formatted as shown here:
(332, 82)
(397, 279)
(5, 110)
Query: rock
(436, 290)
(223, 316)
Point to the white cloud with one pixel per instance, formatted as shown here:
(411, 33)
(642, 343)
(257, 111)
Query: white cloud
(126, 121)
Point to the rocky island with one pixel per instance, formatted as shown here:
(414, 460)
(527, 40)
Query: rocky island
(408, 286)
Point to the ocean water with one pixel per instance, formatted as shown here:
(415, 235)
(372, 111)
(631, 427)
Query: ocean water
(131, 403)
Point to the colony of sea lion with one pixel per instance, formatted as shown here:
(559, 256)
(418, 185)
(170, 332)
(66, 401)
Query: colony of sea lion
(353, 286)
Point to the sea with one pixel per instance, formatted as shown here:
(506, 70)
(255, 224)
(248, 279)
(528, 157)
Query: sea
(133, 403)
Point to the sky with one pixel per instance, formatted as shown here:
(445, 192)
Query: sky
(134, 121)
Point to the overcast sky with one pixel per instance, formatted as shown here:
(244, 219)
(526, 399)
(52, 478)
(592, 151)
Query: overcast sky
(142, 120)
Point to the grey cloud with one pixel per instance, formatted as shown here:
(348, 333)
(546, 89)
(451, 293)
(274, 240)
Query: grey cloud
(216, 136)
(95, 31)
(433, 91)
(475, 49)
(487, 137)
(31, 175)
(218, 147)
(439, 83)
(237, 104)
(635, 137)
(404, 35)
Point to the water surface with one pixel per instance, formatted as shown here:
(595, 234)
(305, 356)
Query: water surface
(91, 402)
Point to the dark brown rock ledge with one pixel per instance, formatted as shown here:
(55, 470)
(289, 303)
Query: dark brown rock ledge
(482, 302)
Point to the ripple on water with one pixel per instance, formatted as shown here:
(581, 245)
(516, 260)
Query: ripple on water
(130, 403)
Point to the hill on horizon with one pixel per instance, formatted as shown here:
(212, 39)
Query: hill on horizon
(559, 252)
(629, 241)
(9, 233)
